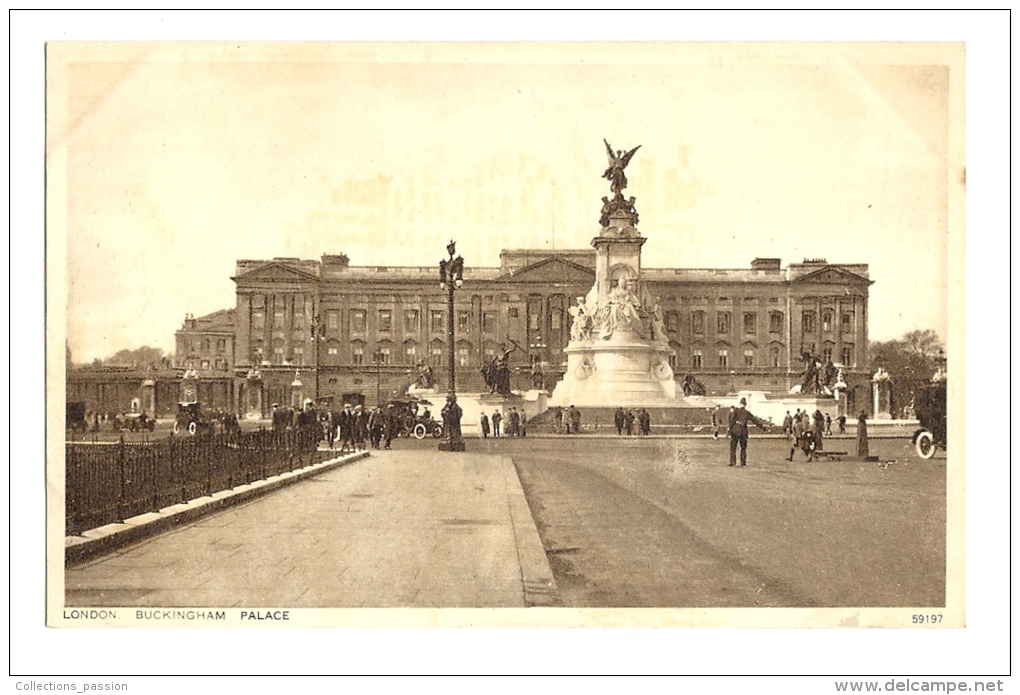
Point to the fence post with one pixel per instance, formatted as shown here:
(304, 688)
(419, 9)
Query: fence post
(122, 495)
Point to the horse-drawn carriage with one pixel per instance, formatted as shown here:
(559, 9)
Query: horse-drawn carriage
(930, 405)
(190, 419)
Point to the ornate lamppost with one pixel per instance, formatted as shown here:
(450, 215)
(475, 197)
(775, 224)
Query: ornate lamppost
(451, 277)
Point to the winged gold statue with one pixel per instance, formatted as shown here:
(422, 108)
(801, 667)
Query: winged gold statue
(617, 163)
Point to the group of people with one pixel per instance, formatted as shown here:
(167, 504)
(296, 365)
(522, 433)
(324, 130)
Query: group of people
(624, 421)
(516, 424)
(569, 421)
(355, 427)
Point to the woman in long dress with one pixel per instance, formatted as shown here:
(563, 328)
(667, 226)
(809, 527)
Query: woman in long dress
(862, 436)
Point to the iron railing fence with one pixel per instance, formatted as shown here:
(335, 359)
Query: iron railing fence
(110, 483)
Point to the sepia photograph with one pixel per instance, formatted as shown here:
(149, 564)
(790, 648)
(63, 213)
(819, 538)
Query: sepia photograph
(621, 334)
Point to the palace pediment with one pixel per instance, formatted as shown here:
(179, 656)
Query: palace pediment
(550, 270)
(833, 275)
(275, 272)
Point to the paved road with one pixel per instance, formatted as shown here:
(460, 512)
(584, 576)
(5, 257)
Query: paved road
(668, 523)
(390, 530)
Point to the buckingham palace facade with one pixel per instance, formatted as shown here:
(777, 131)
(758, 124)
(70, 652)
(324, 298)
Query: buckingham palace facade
(326, 329)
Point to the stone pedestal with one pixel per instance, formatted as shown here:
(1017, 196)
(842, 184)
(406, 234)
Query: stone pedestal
(882, 399)
(623, 370)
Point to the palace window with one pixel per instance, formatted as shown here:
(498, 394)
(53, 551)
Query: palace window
(826, 320)
(258, 320)
(437, 354)
(278, 354)
(463, 321)
(533, 322)
(722, 320)
(385, 320)
(411, 321)
(512, 313)
(848, 355)
(698, 322)
(775, 322)
(488, 321)
(205, 364)
(436, 321)
(847, 322)
(724, 357)
(463, 354)
(358, 320)
(382, 355)
(748, 357)
(555, 320)
(278, 317)
(827, 353)
(221, 345)
(357, 354)
(750, 323)
(332, 350)
(206, 344)
(299, 320)
(333, 320)
(808, 321)
(696, 359)
(774, 356)
(672, 320)
(410, 353)
(299, 354)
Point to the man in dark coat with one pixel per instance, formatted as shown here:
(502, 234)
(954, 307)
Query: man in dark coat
(628, 422)
(618, 420)
(739, 418)
(391, 425)
(345, 428)
(645, 422)
(575, 420)
(497, 418)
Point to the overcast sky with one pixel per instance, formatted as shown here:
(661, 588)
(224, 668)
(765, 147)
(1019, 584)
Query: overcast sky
(180, 159)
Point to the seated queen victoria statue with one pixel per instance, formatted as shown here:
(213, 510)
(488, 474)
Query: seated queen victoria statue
(621, 312)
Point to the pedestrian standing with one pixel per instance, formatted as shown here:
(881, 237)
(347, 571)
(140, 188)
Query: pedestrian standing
(483, 423)
(628, 422)
(514, 428)
(391, 424)
(800, 438)
(645, 422)
(496, 420)
(375, 427)
(842, 424)
(618, 419)
(739, 417)
(575, 420)
(828, 425)
(558, 415)
(862, 436)
(787, 423)
(715, 423)
(819, 429)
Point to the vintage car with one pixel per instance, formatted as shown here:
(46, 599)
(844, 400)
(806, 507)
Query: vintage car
(930, 405)
(413, 421)
(190, 420)
(134, 422)
(75, 418)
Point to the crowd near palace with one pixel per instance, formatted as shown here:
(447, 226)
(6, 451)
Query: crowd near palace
(327, 330)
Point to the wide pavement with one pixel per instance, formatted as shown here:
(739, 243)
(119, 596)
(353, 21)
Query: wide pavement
(395, 529)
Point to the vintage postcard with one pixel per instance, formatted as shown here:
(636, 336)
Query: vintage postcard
(505, 334)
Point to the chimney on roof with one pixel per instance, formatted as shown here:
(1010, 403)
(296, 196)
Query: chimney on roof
(766, 263)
